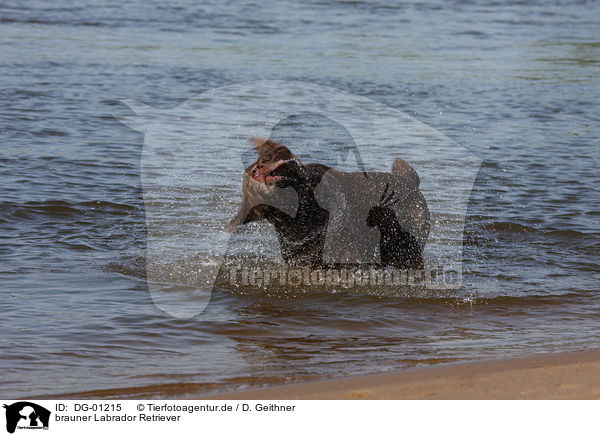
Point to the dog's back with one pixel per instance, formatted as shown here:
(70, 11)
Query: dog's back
(350, 196)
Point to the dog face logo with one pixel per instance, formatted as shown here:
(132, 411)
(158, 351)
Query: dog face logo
(370, 186)
(26, 415)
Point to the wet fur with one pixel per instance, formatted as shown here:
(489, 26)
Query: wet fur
(302, 236)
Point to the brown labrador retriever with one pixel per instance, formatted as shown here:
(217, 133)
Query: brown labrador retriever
(325, 217)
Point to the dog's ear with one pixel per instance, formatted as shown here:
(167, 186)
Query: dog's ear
(247, 214)
(267, 147)
(257, 213)
(240, 217)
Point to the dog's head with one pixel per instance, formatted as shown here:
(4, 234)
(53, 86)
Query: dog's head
(276, 164)
(276, 167)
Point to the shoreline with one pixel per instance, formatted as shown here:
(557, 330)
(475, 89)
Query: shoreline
(571, 375)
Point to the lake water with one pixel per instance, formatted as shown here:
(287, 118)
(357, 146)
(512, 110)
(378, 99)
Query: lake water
(517, 84)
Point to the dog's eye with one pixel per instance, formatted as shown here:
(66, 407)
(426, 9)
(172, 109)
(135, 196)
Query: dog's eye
(265, 158)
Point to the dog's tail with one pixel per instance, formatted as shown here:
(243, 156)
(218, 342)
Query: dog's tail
(403, 169)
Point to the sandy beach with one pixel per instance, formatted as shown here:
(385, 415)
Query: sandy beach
(553, 376)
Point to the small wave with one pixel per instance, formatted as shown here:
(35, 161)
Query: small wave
(569, 234)
(453, 299)
(177, 390)
(528, 301)
(50, 132)
(512, 227)
(63, 209)
(132, 267)
(507, 226)
(145, 391)
(17, 20)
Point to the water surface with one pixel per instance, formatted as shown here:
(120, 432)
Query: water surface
(517, 83)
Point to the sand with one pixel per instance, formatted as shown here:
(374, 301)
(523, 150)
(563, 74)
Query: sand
(550, 376)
